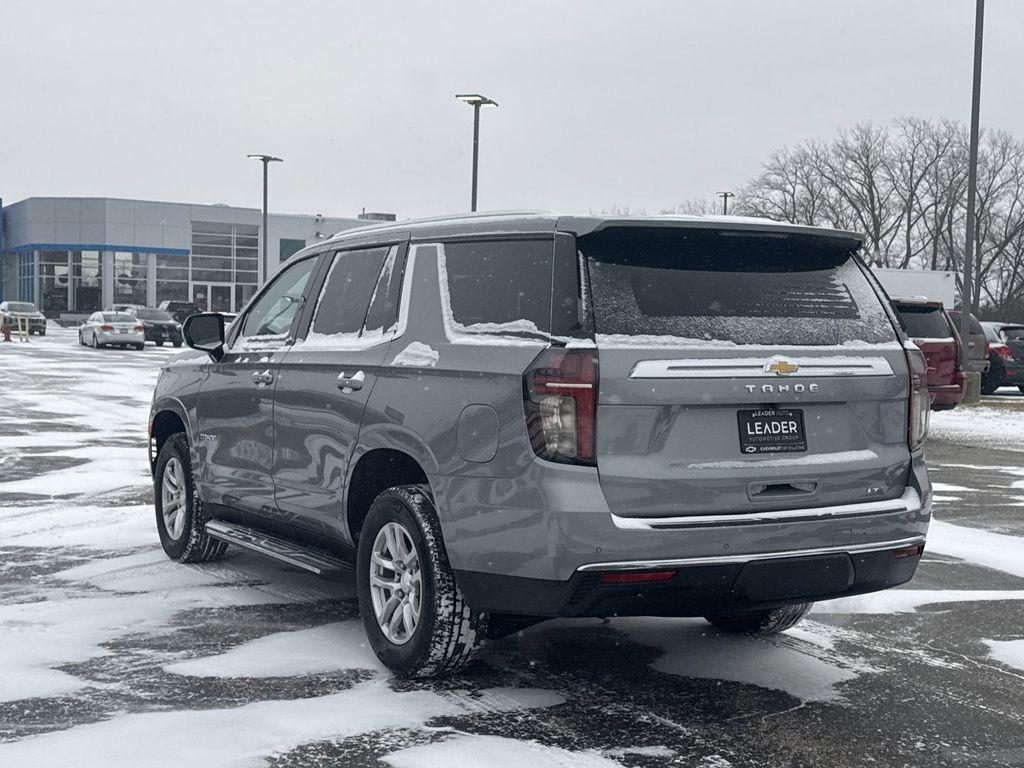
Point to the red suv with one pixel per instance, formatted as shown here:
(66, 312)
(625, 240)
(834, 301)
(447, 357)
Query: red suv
(932, 330)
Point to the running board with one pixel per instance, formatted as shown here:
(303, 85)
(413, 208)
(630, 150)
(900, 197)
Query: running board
(311, 560)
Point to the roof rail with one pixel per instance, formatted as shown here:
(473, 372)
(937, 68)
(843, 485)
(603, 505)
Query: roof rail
(445, 217)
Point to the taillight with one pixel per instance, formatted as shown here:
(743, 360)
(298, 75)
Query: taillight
(1003, 351)
(560, 398)
(986, 348)
(139, 328)
(920, 399)
(106, 327)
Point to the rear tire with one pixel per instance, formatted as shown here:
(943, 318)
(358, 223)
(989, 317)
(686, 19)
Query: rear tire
(140, 347)
(159, 343)
(445, 630)
(176, 344)
(769, 622)
(180, 517)
(988, 386)
(1021, 388)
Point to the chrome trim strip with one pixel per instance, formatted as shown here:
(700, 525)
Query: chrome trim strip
(910, 501)
(753, 367)
(645, 565)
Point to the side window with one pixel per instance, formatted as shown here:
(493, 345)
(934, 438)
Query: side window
(346, 295)
(383, 312)
(498, 287)
(272, 313)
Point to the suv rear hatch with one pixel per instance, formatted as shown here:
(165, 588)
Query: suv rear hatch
(929, 328)
(742, 371)
(1013, 337)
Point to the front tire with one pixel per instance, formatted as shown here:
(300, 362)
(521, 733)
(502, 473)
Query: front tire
(769, 622)
(415, 617)
(180, 518)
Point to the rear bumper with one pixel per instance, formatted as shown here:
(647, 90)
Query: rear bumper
(701, 587)
(119, 338)
(946, 395)
(163, 334)
(551, 526)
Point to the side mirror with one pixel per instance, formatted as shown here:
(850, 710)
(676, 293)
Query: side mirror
(205, 332)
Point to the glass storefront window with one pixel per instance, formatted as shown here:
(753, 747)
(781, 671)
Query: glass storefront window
(86, 281)
(27, 276)
(227, 254)
(130, 271)
(54, 277)
(171, 290)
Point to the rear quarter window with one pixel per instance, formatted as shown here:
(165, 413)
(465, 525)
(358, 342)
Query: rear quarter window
(713, 287)
(496, 289)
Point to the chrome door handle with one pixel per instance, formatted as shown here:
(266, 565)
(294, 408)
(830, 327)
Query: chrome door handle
(351, 383)
(264, 377)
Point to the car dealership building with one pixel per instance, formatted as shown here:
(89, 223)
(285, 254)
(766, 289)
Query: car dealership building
(74, 255)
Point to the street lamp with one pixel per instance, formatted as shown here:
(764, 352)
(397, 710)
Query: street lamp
(725, 201)
(266, 160)
(966, 299)
(477, 101)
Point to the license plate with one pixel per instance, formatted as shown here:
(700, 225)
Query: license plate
(772, 430)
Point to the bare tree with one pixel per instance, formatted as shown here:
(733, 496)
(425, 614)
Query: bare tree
(904, 187)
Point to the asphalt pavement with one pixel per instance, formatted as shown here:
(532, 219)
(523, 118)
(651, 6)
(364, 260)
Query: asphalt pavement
(112, 655)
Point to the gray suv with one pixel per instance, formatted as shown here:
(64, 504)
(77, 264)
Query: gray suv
(497, 419)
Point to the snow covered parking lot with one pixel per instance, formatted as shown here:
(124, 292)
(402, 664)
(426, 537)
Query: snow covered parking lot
(110, 655)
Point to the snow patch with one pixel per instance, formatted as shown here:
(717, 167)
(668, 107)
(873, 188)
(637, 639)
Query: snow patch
(992, 550)
(417, 355)
(317, 650)
(1009, 652)
(909, 600)
(256, 731)
(468, 751)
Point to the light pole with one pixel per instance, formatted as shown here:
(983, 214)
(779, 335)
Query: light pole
(477, 101)
(266, 160)
(725, 201)
(967, 299)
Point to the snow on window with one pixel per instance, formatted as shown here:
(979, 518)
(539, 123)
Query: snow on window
(496, 292)
(692, 288)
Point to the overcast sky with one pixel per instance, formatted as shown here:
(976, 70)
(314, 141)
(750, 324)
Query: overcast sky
(602, 104)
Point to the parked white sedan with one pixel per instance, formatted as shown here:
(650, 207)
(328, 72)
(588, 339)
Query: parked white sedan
(110, 329)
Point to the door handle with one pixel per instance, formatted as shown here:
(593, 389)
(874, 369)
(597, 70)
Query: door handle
(264, 377)
(351, 383)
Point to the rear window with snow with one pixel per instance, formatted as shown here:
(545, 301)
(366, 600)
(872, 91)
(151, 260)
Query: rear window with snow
(924, 322)
(498, 287)
(1013, 332)
(716, 286)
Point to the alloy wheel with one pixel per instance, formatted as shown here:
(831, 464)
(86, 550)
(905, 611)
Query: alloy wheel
(172, 498)
(396, 583)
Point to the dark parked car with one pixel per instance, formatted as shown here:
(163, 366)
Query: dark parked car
(501, 418)
(159, 326)
(1006, 355)
(931, 329)
(977, 344)
(11, 311)
(179, 310)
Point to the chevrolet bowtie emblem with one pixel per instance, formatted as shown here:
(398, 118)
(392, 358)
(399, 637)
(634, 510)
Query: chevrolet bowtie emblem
(780, 366)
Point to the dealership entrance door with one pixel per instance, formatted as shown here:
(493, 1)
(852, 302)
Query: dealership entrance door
(214, 297)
